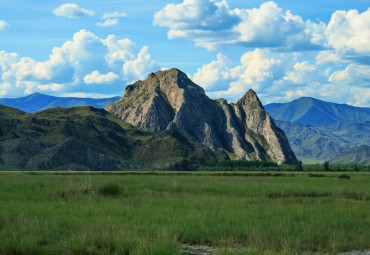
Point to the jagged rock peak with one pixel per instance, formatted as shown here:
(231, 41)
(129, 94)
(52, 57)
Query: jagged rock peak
(164, 80)
(170, 100)
(251, 99)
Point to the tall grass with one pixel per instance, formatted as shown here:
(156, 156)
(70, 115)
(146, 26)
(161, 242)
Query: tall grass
(154, 214)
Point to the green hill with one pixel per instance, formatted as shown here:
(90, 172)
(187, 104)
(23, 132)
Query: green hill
(86, 138)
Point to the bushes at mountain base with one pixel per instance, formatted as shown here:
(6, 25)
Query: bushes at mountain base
(265, 166)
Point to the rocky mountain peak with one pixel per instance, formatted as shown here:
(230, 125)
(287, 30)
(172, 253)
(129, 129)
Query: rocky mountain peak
(250, 99)
(170, 100)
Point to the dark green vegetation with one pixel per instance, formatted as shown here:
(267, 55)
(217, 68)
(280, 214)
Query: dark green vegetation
(86, 138)
(38, 102)
(319, 131)
(154, 213)
(265, 166)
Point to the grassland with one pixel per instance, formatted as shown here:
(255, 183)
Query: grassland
(154, 213)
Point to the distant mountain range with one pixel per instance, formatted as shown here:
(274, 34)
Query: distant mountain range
(164, 122)
(355, 155)
(38, 102)
(317, 130)
(314, 112)
(320, 131)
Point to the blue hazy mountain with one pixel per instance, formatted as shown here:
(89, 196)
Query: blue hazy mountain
(37, 102)
(320, 131)
(314, 112)
(355, 155)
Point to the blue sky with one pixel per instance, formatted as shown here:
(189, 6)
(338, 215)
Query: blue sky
(282, 49)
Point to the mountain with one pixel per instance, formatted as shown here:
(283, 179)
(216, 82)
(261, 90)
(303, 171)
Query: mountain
(314, 112)
(356, 155)
(169, 100)
(319, 130)
(86, 138)
(311, 143)
(37, 102)
(355, 132)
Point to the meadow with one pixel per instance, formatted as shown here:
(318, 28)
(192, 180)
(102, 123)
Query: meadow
(157, 212)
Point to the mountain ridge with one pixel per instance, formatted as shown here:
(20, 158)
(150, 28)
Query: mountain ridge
(169, 100)
(312, 111)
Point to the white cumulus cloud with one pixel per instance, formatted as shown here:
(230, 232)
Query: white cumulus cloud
(108, 23)
(114, 15)
(140, 66)
(71, 10)
(281, 77)
(212, 24)
(86, 59)
(215, 75)
(98, 78)
(349, 32)
(4, 25)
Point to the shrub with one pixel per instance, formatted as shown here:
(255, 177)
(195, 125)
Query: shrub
(109, 190)
(316, 175)
(344, 176)
(326, 166)
(299, 166)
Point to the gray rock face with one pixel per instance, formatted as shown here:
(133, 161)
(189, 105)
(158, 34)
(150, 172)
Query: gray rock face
(170, 100)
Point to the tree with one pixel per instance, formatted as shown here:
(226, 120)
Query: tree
(299, 166)
(355, 168)
(326, 166)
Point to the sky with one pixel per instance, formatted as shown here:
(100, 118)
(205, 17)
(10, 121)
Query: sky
(282, 49)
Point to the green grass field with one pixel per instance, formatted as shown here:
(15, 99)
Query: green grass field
(154, 213)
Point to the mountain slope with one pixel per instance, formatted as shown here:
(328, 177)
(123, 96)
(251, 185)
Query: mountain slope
(86, 138)
(311, 111)
(169, 100)
(37, 102)
(355, 132)
(311, 143)
(356, 155)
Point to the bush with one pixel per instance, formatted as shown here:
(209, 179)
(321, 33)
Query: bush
(110, 190)
(299, 166)
(326, 166)
(344, 176)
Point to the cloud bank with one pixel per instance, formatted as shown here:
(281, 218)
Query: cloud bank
(286, 56)
(85, 64)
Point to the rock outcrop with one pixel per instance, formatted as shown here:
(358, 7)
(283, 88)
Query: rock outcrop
(170, 100)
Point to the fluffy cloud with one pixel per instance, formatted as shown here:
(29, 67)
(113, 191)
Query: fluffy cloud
(108, 23)
(96, 78)
(215, 75)
(349, 32)
(3, 25)
(281, 77)
(139, 67)
(353, 74)
(114, 15)
(72, 11)
(87, 59)
(212, 24)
